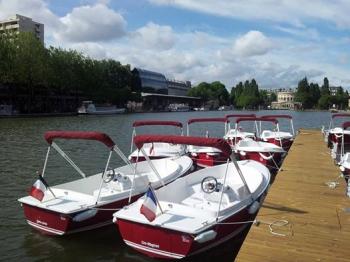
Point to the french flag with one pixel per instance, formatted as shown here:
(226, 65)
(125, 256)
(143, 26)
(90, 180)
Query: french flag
(38, 188)
(149, 206)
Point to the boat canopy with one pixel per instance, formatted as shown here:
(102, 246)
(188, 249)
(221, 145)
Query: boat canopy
(218, 143)
(156, 123)
(85, 135)
(277, 116)
(197, 120)
(242, 119)
(340, 115)
(240, 115)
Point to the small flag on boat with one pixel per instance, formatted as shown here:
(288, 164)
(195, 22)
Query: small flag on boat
(149, 206)
(38, 188)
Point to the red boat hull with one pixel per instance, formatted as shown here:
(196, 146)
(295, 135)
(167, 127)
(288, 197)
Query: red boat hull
(337, 139)
(158, 242)
(206, 160)
(270, 163)
(286, 143)
(55, 223)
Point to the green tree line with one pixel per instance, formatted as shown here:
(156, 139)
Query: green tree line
(245, 95)
(39, 79)
(311, 95)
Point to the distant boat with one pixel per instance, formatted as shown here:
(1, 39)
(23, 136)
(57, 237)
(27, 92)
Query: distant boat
(88, 108)
(179, 108)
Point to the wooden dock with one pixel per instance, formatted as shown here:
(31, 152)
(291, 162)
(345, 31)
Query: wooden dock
(318, 216)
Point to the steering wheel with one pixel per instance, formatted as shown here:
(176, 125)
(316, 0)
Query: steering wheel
(109, 176)
(209, 184)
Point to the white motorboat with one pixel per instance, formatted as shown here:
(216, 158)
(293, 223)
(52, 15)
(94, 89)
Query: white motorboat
(233, 135)
(197, 212)
(206, 156)
(89, 108)
(90, 201)
(276, 136)
(156, 150)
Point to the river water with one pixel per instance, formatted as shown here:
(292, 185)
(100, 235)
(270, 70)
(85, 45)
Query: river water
(22, 152)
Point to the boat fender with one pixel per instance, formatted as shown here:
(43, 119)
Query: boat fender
(85, 215)
(342, 168)
(114, 220)
(242, 153)
(205, 236)
(254, 207)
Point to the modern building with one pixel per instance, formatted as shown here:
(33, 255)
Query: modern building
(154, 82)
(158, 93)
(285, 100)
(178, 88)
(19, 23)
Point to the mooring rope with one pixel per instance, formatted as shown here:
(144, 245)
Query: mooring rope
(276, 223)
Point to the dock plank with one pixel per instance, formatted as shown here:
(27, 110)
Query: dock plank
(319, 222)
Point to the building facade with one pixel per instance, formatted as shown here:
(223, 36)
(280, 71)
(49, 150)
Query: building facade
(149, 81)
(285, 100)
(178, 88)
(19, 23)
(154, 82)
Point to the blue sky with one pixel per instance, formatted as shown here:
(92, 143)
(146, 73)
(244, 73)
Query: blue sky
(277, 42)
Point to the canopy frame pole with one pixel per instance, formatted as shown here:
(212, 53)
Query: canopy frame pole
(132, 139)
(122, 156)
(279, 134)
(68, 159)
(292, 126)
(152, 166)
(103, 174)
(46, 159)
(222, 191)
(134, 175)
(233, 158)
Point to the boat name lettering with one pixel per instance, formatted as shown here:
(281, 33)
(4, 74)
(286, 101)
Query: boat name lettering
(41, 222)
(149, 244)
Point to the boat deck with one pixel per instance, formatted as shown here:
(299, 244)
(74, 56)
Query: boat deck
(318, 216)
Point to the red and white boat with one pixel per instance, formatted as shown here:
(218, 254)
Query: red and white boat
(206, 156)
(334, 135)
(276, 136)
(197, 212)
(156, 150)
(89, 202)
(269, 154)
(233, 135)
(344, 163)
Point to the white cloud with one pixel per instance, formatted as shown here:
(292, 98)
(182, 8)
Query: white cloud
(290, 12)
(91, 24)
(252, 43)
(154, 36)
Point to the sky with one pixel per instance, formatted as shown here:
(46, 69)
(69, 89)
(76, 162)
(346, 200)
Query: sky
(276, 42)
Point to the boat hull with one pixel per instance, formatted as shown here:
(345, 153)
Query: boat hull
(206, 160)
(159, 242)
(270, 161)
(56, 223)
(286, 143)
